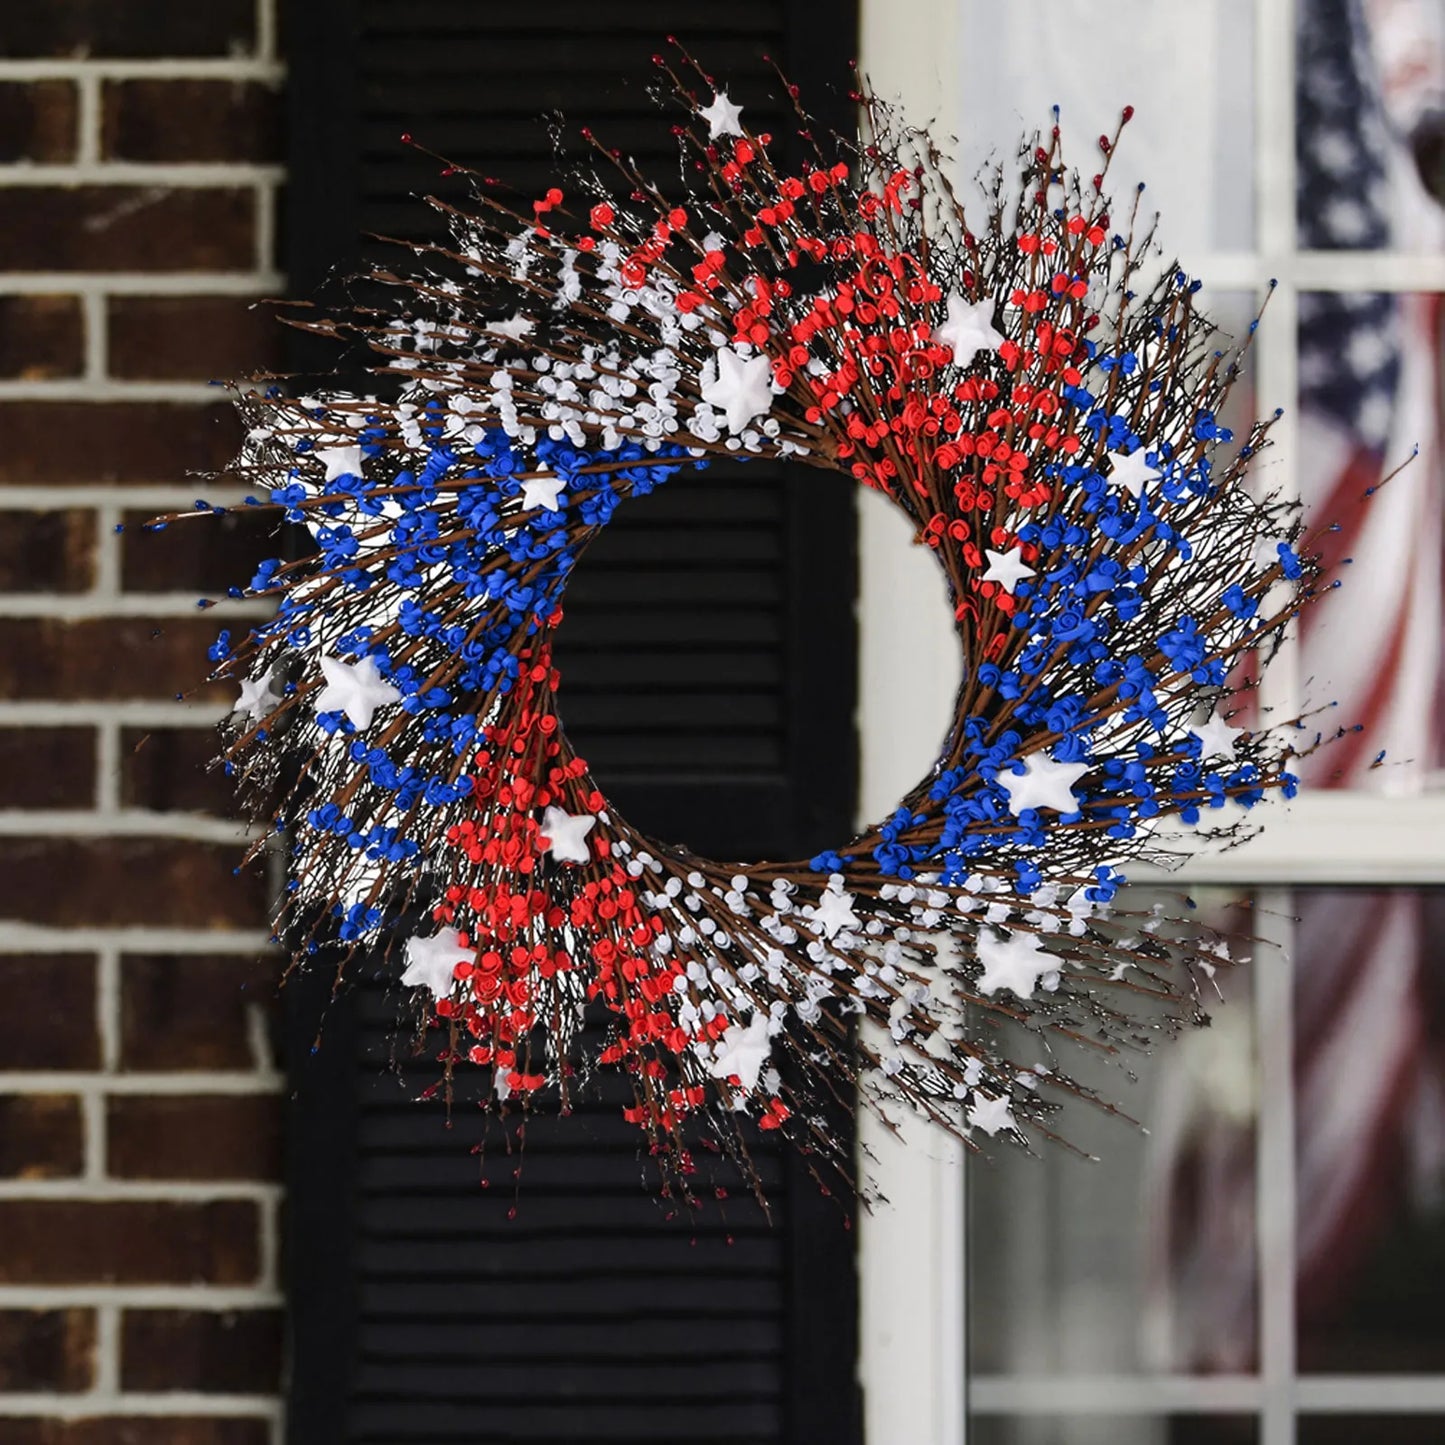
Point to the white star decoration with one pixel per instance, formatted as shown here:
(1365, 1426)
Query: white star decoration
(340, 461)
(1131, 472)
(1008, 569)
(969, 329)
(990, 1115)
(431, 962)
(1044, 783)
(742, 389)
(1013, 961)
(1216, 738)
(541, 494)
(834, 913)
(1266, 551)
(566, 835)
(357, 689)
(256, 698)
(515, 327)
(743, 1052)
(722, 116)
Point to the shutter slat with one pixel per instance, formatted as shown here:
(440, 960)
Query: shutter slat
(702, 584)
(465, 1215)
(729, 1380)
(708, 1256)
(398, 1174)
(706, 1336)
(382, 18)
(551, 1422)
(599, 627)
(599, 1296)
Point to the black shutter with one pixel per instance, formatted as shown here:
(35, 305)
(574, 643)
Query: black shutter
(708, 677)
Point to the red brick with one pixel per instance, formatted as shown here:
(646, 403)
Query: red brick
(198, 1136)
(100, 659)
(190, 120)
(192, 338)
(136, 1430)
(167, 770)
(47, 767)
(128, 883)
(47, 551)
(41, 337)
(234, 1352)
(206, 555)
(83, 442)
(180, 1011)
(107, 29)
(47, 1350)
(128, 228)
(55, 994)
(41, 1136)
(37, 120)
(123, 1241)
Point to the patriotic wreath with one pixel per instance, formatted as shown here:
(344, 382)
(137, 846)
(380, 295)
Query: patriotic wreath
(1041, 398)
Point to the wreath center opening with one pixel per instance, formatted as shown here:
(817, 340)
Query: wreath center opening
(719, 663)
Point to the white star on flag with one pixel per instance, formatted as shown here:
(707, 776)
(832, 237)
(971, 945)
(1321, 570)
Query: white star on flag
(256, 699)
(339, 461)
(1013, 961)
(566, 835)
(743, 1052)
(742, 389)
(990, 1115)
(356, 689)
(1008, 569)
(540, 494)
(1132, 471)
(969, 329)
(431, 962)
(1216, 738)
(834, 912)
(722, 116)
(1044, 783)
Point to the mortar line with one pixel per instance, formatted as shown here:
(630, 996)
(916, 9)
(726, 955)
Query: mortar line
(97, 336)
(107, 766)
(87, 118)
(107, 1350)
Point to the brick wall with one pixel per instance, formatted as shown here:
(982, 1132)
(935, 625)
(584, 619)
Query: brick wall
(139, 1108)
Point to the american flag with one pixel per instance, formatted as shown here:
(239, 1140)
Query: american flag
(1358, 1005)
(1349, 347)
(1368, 380)
(1377, 659)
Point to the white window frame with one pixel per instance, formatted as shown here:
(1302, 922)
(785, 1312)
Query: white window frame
(913, 1251)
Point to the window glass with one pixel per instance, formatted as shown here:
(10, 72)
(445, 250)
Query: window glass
(1186, 70)
(1369, 397)
(1113, 1430)
(1370, 1130)
(1370, 1430)
(1140, 1258)
(1370, 125)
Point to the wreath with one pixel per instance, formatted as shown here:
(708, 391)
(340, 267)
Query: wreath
(1032, 388)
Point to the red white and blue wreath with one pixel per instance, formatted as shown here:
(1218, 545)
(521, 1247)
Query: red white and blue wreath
(1045, 414)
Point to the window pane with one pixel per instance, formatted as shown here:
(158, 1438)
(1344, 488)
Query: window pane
(1143, 1261)
(1369, 386)
(1370, 128)
(1370, 1430)
(1188, 72)
(1370, 1122)
(1113, 1430)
